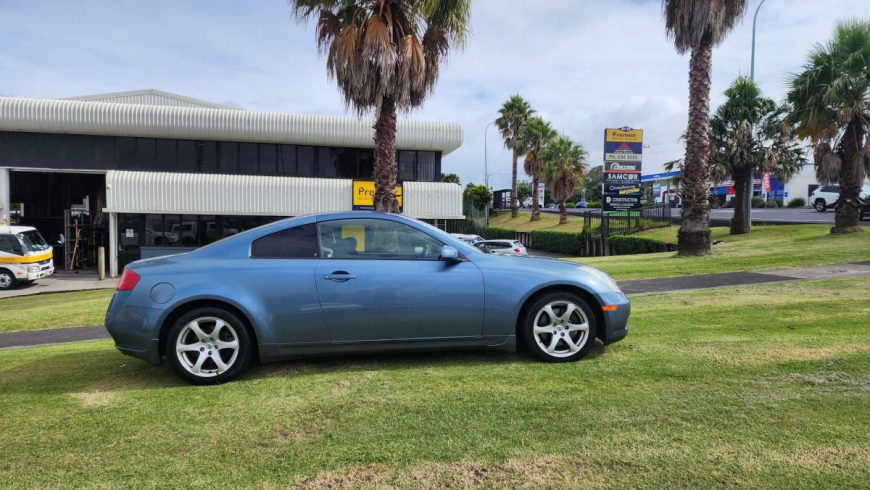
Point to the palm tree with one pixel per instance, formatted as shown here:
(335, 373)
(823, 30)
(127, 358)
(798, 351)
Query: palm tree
(830, 103)
(749, 134)
(563, 163)
(512, 116)
(385, 56)
(533, 138)
(697, 26)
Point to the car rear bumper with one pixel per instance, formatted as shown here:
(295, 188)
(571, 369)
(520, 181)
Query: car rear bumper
(615, 320)
(133, 328)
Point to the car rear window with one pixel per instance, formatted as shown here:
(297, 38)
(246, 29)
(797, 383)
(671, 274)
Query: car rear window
(299, 242)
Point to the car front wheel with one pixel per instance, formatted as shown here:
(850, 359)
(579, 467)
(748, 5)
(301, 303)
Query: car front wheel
(559, 327)
(209, 346)
(820, 205)
(7, 280)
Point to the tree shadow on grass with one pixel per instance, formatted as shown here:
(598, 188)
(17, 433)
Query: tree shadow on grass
(106, 370)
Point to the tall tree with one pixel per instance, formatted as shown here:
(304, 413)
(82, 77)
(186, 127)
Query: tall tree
(512, 117)
(385, 56)
(563, 164)
(749, 134)
(533, 138)
(696, 26)
(452, 178)
(831, 107)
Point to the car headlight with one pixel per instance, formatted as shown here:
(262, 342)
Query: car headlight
(33, 268)
(601, 276)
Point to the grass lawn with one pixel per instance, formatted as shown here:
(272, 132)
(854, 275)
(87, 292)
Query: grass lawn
(766, 247)
(765, 386)
(80, 308)
(548, 222)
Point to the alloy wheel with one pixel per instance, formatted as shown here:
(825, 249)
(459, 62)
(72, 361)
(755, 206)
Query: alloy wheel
(207, 347)
(561, 328)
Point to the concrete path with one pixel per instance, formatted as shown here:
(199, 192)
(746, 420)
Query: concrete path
(62, 281)
(75, 334)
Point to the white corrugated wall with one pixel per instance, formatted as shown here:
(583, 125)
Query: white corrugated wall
(157, 121)
(182, 193)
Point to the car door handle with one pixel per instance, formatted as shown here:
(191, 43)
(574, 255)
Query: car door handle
(339, 276)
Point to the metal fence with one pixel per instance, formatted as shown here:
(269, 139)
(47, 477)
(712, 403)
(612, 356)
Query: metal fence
(607, 223)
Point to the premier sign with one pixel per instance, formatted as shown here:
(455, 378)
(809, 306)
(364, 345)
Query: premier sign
(623, 156)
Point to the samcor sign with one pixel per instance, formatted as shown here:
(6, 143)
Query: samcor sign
(364, 195)
(623, 157)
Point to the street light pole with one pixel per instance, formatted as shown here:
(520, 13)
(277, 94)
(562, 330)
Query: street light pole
(749, 185)
(485, 164)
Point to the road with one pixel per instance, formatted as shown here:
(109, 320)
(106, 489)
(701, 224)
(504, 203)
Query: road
(764, 215)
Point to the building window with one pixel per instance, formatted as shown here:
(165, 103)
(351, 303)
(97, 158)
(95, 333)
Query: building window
(268, 159)
(146, 153)
(325, 162)
(187, 155)
(366, 168)
(207, 157)
(287, 160)
(405, 161)
(248, 159)
(228, 160)
(305, 166)
(427, 166)
(299, 242)
(167, 154)
(345, 162)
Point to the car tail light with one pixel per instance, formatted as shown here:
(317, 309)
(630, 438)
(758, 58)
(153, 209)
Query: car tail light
(517, 250)
(128, 281)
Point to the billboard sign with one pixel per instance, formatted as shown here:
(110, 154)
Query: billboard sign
(540, 194)
(364, 195)
(623, 157)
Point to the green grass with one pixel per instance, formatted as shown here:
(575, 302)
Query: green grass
(767, 247)
(35, 312)
(764, 386)
(548, 222)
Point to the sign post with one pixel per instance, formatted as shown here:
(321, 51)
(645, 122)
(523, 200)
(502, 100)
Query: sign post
(623, 154)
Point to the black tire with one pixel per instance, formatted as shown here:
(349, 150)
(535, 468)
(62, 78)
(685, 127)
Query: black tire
(210, 371)
(820, 205)
(7, 280)
(562, 351)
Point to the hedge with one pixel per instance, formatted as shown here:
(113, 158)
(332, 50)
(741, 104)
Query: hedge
(628, 245)
(558, 241)
(797, 202)
(493, 233)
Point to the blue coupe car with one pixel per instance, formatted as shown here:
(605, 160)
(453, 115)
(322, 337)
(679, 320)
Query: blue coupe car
(352, 283)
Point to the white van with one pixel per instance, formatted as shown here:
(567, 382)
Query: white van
(24, 256)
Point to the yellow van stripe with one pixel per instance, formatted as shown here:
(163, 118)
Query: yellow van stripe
(25, 260)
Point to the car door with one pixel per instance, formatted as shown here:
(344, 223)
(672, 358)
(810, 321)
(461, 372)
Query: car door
(383, 280)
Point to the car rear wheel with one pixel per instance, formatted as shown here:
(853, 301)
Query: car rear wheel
(559, 327)
(820, 205)
(209, 346)
(7, 280)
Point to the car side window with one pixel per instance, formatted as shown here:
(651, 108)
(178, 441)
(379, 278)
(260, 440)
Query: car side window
(10, 245)
(375, 239)
(299, 242)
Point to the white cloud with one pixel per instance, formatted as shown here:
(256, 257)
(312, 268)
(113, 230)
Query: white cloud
(584, 65)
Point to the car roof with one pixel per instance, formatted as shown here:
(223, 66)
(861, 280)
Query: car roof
(15, 229)
(501, 240)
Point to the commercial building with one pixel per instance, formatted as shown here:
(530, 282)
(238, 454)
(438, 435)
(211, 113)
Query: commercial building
(147, 173)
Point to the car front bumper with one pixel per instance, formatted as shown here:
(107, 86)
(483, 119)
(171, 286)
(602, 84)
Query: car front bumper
(615, 320)
(32, 276)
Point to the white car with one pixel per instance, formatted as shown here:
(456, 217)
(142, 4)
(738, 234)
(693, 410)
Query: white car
(503, 247)
(469, 239)
(824, 197)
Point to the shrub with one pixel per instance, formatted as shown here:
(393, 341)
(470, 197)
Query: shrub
(593, 204)
(771, 204)
(797, 202)
(730, 203)
(558, 241)
(757, 202)
(493, 233)
(629, 245)
(779, 202)
(569, 204)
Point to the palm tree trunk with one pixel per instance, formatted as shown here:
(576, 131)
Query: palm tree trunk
(385, 158)
(563, 213)
(536, 210)
(846, 217)
(694, 235)
(739, 223)
(514, 201)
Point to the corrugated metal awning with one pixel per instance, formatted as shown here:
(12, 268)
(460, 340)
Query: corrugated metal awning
(160, 121)
(246, 195)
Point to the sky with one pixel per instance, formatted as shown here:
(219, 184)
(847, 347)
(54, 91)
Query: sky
(584, 65)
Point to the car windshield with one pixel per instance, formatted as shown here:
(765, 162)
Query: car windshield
(33, 241)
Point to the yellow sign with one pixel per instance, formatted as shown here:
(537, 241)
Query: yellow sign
(358, 233)
(623, 135)
(364, 195)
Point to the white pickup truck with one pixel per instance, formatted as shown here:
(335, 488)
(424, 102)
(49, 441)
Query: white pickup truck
(24, 256)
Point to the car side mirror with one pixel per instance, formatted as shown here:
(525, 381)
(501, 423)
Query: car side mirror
(449, 253)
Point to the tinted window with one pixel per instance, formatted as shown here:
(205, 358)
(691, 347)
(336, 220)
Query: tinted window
(376, 239)
(10, 245)
(229, 157)
(299, 242)
(267, 158)
(146, 152)
(366, 164)
(167, 155)
(187, 158)
(426, 166)
(287, 160)
(207, 156)
(248, 158)
(326, 162)
(345, 160)
(305, 161)
(406, 165)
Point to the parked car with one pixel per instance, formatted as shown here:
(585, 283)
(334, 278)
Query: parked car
(350, 283)
(25, 256)
(469, 239)
(581, 204)
(503, 247)
(825, 197)
(864, 210)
